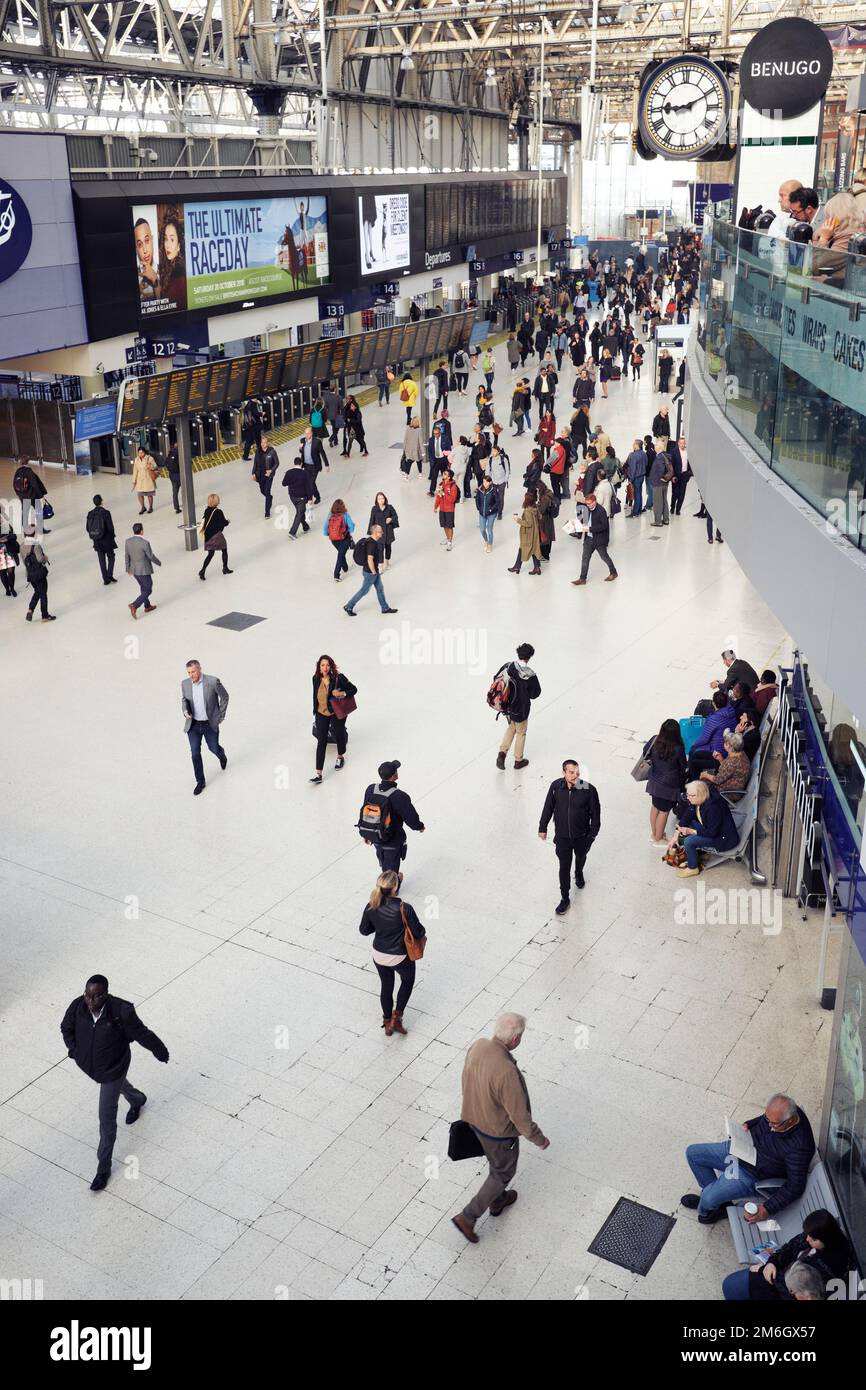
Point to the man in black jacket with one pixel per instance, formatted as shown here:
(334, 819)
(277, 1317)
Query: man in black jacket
(100, 529)
(172, 467)
(784, 1145)
(265, 464)
(596, 538)
(297, 480)
(313, 459)
(392, 852)
(526, 688)
(576, 813)
(97, 1029)
(662, 425)
(738, 670)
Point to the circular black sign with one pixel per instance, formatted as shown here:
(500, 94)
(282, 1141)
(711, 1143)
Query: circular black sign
(786, 68)
(16, 230)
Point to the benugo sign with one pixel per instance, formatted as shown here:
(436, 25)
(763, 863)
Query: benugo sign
(817, 339)
(786, 68)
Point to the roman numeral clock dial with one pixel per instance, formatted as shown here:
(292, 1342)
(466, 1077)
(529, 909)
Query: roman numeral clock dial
(683, 107)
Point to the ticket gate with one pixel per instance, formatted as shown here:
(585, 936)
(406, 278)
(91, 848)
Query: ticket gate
(230, 426)
(210, 432)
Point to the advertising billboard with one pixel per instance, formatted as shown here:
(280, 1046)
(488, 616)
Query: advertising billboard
(192, 255)
(383, 228)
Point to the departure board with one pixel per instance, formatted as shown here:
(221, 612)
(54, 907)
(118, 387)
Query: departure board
(133, 402)
(420, 349)
(338, 356)
(307, 364)
(198, 386)
(290, 368)
(466, 329)
(256, 373)
(353, 355)
(237, 380)
(440, 340)
(403, 347)
(274, 370)
(155, 400)
(367, 353)
(178, 391)
(382, 338)
(323, 360)
(219, 380)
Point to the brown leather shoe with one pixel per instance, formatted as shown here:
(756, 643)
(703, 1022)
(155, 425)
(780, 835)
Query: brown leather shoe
(578, 582)
(397, 1023)
(132, 610)
(388, 1025)
(508, 1200)
(522, 762)
(466, 1228)
(611, 578)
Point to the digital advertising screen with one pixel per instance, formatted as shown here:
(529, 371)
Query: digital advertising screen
(383, 228)
(191, 255)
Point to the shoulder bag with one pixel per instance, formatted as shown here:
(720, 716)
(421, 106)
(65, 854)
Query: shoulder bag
(643, 767)
(463, 1142)
(343, 705)
(414, 945)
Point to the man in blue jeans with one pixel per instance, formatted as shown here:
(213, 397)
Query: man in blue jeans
(369, 550)
(784, 1146)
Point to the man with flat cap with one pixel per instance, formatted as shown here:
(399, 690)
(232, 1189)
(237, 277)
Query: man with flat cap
(97, 1029)
(395, 811)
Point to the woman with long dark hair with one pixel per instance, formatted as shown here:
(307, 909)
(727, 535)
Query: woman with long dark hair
(821, 1246)
(666, 754)
(386, 918)
(330, 684)
(384, 515)
(172, 263)
(353, 422)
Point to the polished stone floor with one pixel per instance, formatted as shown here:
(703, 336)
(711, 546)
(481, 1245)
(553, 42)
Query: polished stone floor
(289, 1149)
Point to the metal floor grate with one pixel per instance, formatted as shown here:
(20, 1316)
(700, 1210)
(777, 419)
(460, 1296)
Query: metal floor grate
(236, 621)
(632, 1236)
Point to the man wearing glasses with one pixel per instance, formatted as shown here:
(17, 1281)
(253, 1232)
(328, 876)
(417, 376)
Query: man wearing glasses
(784, 1146)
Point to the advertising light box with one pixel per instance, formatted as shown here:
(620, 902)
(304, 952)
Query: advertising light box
(384, 231)
(193, 255)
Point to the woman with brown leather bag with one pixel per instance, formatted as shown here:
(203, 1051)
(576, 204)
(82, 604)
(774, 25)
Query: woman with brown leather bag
(398, 942)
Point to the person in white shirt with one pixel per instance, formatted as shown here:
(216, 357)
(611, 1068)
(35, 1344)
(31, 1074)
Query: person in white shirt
(780, 223)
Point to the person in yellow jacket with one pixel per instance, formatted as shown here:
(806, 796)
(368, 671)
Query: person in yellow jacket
(408, 395)
(144, 471)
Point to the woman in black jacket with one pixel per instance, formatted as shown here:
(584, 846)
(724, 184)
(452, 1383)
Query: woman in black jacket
(384, 515)
(386, 918)
(353, 427)
(213, 530)
(822, 1246)
(667, 759)
(329, 684)
(705, 823)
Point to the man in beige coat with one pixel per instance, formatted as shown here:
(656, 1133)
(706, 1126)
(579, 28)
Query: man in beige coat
(144, 471)
(496, 1105)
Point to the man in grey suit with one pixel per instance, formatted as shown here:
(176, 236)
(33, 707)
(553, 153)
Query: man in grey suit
(204, 701)
(140, 561)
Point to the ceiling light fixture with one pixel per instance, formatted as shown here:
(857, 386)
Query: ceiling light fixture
(407, 62)
(490, 78)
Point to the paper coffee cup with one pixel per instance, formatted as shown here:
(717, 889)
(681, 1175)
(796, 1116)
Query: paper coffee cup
(751, 1209)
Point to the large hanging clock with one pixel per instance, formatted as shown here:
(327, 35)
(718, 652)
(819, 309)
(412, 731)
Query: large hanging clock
(683, 107)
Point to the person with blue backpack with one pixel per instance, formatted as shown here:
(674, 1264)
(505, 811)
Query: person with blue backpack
(385, 813)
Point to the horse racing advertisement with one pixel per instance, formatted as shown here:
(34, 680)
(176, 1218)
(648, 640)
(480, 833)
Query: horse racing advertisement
(198, 255)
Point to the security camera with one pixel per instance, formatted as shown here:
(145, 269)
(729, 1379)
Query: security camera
(151, 156)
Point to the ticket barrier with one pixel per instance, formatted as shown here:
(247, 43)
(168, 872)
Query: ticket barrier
(210, 432)
(230, 426)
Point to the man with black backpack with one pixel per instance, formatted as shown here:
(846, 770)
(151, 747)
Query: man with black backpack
(100, 529)
(385, 812)
(369, 554)
(520, 686)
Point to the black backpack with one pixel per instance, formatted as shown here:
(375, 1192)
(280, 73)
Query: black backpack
(34, 568)
(359, 554)
(375, 824)
(96, 527)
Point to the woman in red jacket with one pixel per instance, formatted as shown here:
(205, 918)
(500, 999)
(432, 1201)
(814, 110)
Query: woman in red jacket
(447, 497)
(558, 462)
(546, 433)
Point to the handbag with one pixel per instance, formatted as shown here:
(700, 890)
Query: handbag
(343, 705)
(47, 510)
(676, 856)
(463, 1142)
(414, 945)
(643, 767)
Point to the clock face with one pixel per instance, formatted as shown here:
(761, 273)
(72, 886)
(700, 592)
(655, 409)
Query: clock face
(683, 108)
